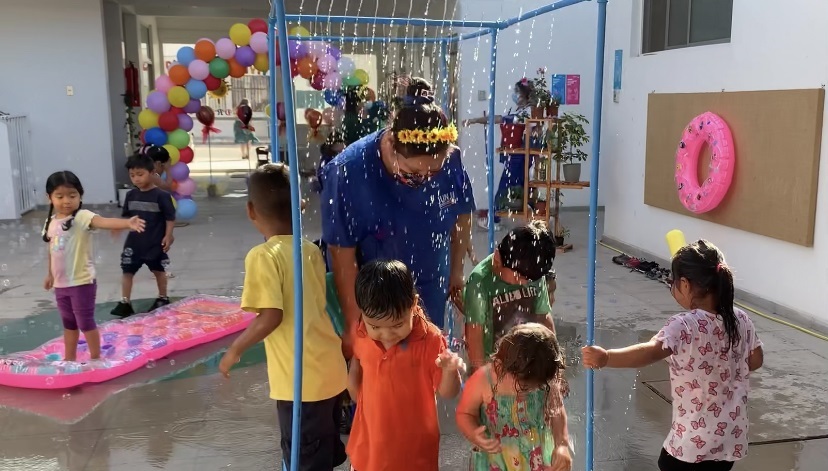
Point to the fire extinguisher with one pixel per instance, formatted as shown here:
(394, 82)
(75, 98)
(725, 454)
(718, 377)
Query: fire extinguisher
(133, 88)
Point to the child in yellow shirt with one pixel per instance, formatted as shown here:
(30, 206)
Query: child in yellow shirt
(268, 291)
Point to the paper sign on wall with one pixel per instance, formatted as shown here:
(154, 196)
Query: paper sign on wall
(566, 89)
(616, 77)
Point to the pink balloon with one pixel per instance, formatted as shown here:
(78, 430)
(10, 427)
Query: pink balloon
(258, 42)
(225, 48)
(326, 64)
(199, 69)
(163, 84)
(332, 81)
(186, 187)
(328, 116)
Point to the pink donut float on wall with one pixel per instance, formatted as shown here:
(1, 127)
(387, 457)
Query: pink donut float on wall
(702, 197)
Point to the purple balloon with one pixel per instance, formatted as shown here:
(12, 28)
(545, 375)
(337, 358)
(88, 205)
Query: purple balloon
(293, 49)
(192, 106)
(326, 64)
(245, 56)
(225, 48)
(180, 172)
(185, 122)
(335, 52)
(302, 50)
(158, 102)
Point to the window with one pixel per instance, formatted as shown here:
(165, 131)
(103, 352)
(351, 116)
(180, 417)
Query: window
(672, 24)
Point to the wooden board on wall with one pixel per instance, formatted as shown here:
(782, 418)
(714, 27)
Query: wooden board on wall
(778, 136)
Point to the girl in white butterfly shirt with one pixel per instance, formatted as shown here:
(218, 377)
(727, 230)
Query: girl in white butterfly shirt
(712, 348)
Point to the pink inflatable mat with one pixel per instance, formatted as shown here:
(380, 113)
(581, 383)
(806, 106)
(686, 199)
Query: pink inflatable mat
(127, 344)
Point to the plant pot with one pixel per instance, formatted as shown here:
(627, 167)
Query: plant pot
(552, 111)
(572, 173)
(559, 241)
(511, 135)
(537, 112)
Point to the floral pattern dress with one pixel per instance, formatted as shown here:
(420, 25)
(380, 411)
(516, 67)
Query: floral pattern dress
(519, 422)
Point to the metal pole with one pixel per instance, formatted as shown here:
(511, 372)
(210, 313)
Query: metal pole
(593, 221)
(473, 35)
(393, 21)
(271, 56)
(490, 154)
(540, 11)
(444, 76)
(368, 39)
(296, 217)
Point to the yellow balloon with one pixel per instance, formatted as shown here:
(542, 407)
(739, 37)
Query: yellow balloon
(240, 34)
(267, 110)
(175, 154)
(362, 75)
(178, 97)
(175, 203)
(299, 31)
(261, 64)
(148, 119)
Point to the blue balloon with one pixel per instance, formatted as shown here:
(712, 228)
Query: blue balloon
(332, 97)
(185, 55)
(196, 88)
(187, 209)
(155, 137)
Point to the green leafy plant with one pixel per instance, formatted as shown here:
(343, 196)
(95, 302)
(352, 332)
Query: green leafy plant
(561, 232)
(540, 96)
(567, 136)
(133, 133)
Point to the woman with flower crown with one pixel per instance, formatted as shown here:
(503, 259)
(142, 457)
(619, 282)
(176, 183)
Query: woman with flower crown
(512, 178)
(401, 193)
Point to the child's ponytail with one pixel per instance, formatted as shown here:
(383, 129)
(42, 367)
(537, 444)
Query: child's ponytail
(45, 232)
(724, 303)
(68, 224)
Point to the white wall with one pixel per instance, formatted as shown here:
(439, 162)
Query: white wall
(772, 47)
(48, 45)
(563, 41)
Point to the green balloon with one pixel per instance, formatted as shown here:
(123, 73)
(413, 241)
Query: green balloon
(178, 138)
(219, 68)
(349, 81)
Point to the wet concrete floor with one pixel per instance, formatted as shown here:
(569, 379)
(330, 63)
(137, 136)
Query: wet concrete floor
(179, 414)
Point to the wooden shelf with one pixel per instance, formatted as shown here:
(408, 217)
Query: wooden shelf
(558, 184)
(522, 151)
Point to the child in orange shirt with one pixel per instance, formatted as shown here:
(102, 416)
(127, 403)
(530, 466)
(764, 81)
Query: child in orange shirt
(400, 361)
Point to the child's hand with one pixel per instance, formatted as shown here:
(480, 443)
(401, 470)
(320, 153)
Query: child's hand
(136, 224)
(450, 361)
(594, 357)
(167, 242)
(484, 443)
(561, 460)
(229, 359)
(49, 282)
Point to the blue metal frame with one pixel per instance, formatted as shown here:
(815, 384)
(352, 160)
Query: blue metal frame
(278, 20)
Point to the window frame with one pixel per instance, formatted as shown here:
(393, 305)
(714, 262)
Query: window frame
(645, 12)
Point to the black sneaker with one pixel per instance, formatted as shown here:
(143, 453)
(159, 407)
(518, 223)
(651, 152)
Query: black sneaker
(158, 303)
(123, 310)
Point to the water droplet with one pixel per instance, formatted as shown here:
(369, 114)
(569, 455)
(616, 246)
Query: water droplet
(66, 396)
(31, 322)
(4, 267)
(172, 362)
(151, 364)
(6, 283)
(5, 328)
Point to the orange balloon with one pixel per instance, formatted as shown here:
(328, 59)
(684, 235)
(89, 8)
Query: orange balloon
(205, 50)
(313, 117)
(236, 70)
(179, 75)
(307, 67)
(174, 185)
(370, 95)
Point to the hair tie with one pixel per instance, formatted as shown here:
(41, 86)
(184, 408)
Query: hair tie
(418, 100)
(718, 267)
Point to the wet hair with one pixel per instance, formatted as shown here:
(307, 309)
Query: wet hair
(334, 138)
(703, 265)
(524, 87)
(418, 111)
(385, 289)
(529, 250)
(55, 181)
(140, 162)
(269, 191)
(158, 154)
(530, 353)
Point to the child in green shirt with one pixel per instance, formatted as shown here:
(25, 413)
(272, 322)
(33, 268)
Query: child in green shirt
(509, 288)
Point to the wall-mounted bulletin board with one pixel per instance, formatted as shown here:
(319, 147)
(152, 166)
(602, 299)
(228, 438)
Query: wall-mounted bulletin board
(778, 137)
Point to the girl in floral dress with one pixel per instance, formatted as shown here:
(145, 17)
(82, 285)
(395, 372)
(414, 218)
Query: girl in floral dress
(512, 409)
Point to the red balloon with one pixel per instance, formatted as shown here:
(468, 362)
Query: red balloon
(245, 114)
(168, 121)
(318, 81)
(212, 83)
(175, 110)
(206, 116)
(294, 68)
(141, 136)
(257, 25)
(314, 118)
(186, 155)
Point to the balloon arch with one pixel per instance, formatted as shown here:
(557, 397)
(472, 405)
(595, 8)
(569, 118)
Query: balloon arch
(166, 120)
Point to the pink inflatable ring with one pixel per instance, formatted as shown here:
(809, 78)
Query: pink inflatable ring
(711, 129)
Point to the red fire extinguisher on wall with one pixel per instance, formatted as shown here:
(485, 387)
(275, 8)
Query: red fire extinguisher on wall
(132, 85)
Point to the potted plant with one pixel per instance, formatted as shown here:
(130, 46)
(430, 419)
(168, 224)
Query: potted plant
(561, 233)
(568, 136)
(541, 96)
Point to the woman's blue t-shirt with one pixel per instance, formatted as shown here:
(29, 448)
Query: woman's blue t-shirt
(364, 207)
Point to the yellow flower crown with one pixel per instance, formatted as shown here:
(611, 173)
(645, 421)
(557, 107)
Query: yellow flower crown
(428, 136)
